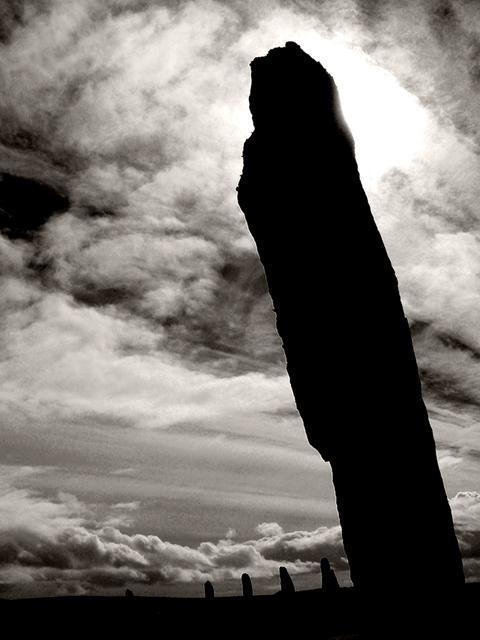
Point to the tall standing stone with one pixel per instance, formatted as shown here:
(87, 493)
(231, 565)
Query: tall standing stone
(347, 342)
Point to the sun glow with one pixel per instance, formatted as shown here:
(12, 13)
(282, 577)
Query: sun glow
(387, 122)
(389, 125)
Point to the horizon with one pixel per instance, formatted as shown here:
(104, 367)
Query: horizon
(150, 439)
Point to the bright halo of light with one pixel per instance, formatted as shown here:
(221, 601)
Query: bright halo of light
(387, 122)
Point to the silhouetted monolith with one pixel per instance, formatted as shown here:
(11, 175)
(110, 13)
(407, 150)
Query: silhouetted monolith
(329, 579)
(209, 590)
(286, 583)
(347, 342)
(129, 593)
(247, 585)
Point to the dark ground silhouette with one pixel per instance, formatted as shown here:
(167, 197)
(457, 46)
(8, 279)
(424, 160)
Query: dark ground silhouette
(316, 614)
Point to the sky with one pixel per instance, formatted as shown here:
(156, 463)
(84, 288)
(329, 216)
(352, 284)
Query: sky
(149, 436)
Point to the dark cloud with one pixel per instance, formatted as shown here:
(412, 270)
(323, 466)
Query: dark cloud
(444, 20)
(448, 367)
(8, 553)
(241, 325)
(371, 12)
(26, 205)
(12, 14)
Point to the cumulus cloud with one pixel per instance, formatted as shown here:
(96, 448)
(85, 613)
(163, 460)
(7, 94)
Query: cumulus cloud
(269, 529)
(278, 545)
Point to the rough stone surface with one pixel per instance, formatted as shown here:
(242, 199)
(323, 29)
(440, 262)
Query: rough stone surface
(347, 342)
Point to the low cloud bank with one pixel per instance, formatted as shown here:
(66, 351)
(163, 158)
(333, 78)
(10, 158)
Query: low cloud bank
(66, 542)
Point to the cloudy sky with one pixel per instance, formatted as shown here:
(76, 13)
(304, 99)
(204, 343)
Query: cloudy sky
(149, 437)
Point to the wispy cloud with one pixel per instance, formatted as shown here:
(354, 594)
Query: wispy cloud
(75, 359)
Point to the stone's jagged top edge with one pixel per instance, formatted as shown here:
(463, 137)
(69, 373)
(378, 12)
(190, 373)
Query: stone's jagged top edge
(293, 52)
(290, 48)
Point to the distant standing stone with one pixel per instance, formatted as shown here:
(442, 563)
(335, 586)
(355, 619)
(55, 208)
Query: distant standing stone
(209, 590)
(286, 583)
(329, 579)
(247, 585)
